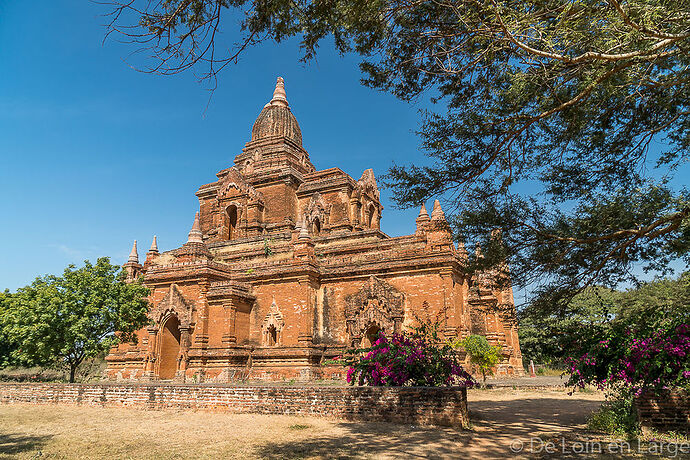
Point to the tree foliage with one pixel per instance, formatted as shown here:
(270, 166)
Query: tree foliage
(548, 337)
(75, 316)
(482, 354)
(6, 347)
(559, 97)
(591, 315)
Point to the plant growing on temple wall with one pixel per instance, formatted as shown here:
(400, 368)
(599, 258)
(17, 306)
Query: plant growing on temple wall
(67, 319)
(482, 354)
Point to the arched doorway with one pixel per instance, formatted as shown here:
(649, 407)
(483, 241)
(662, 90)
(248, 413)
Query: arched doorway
(232, 216)
(170, 348)
(371, 214)
(371, 336)
(272, 336)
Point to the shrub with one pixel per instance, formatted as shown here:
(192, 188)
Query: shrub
(482, 354)
(626, 359)
(616, 416)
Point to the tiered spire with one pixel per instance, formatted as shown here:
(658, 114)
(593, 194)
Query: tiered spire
(195, 233)
(423, 214)
(134, 255)
(437, 213)
(303, 231)
(154, 245)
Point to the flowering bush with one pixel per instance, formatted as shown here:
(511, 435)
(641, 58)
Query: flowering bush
(626, 360)
(414, 358)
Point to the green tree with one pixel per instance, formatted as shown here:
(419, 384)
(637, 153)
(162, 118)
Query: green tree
(550, 95)
(482, 354)
(547, 337)
(656, 304)
(75, 316)
(5, 346)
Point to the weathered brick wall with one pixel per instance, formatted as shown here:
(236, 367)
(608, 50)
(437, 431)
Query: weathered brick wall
(666, 411)
(413, 405)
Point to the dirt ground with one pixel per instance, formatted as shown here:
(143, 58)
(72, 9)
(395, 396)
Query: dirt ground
(501, 418)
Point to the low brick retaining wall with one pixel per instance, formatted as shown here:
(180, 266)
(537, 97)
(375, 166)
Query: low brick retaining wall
(667, 411)
(409, 405)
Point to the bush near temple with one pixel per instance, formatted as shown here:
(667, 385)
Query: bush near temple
(482, 354)
(636, 362)
(413, 358)
(626, 362)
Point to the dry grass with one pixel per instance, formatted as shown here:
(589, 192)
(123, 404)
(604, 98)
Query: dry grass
(93, 432)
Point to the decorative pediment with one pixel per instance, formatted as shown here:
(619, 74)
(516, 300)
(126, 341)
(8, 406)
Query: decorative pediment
(233, 184)
(173, 303)
(367, 184)
(376, 303)
(317, 209)
(272, 326)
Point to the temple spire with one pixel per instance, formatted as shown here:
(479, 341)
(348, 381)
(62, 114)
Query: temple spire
(154, 245)
(134, 255)
(437, 212)
(279, 96)
(423, 214)
(195, 233)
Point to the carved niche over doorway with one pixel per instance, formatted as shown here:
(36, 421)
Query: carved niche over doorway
(376, 307)
(173, 303)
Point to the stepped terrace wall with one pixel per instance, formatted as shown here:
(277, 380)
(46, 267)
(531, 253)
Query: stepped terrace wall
(445, 406)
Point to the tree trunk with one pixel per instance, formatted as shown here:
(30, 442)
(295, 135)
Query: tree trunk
(72, 372)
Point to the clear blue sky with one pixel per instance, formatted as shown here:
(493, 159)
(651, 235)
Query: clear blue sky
(95, 154)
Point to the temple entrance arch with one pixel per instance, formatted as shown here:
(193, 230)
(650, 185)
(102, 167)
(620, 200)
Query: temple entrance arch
(169, 348)
(371, 335)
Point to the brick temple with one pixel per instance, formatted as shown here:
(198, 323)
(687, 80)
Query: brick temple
(285, 266)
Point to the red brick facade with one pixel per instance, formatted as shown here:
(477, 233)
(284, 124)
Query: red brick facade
(285, 266)
(445, 406)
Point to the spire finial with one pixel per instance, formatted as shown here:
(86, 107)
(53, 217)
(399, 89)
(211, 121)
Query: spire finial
(134, 255)
(195, 233)
(279, 96)
(154, 245)
(437, 212)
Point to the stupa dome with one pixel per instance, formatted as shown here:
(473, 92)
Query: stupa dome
(276, 119)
